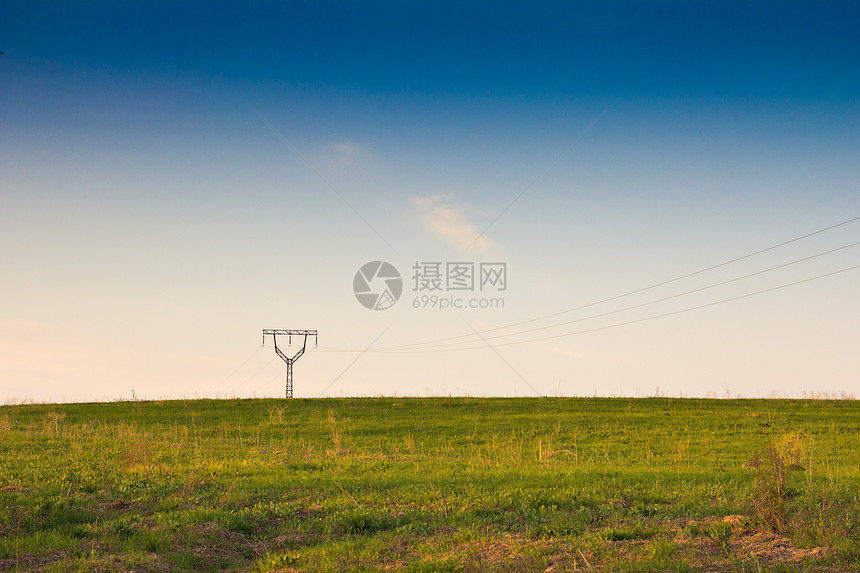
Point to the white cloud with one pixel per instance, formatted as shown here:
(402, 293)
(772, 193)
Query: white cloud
(448, 223)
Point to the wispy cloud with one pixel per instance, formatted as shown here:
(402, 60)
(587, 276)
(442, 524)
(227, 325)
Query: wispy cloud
(318, 174)
(447, 221)
(346, 155)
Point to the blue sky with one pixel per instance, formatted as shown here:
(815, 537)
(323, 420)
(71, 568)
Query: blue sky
(177, 176)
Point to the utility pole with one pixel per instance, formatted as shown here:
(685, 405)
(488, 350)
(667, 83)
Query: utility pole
(290, 360)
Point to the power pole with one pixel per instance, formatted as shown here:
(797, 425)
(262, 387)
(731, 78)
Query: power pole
(289, 334)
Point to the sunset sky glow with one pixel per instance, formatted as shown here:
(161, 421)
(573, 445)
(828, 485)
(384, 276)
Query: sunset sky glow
(177, 176)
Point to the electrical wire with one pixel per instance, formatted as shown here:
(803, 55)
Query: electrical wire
(629, 293)
(255, 374)
(632, 307)
(235, 370)
(636, 321)
(440, 347)
(267, 382)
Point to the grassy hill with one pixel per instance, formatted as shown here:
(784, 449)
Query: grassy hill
(431, 484)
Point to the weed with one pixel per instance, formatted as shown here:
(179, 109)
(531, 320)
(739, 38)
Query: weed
(772, 467)
(123, 528)
(274, 562)
(336, 432)
(240, 523)
(51, 423)
(363, 522)
(663, 549)
(276, 416)
(720, 533)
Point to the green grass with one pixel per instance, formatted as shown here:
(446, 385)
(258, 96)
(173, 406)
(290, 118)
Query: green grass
(438, 484)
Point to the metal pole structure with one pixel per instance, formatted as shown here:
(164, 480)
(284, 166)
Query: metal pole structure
(289, 359)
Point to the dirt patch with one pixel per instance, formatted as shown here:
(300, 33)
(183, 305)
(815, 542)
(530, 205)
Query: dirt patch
(717, 544)
(215, 546)
(116, 506)
(15, 489)
(775, 549)
(30, 562)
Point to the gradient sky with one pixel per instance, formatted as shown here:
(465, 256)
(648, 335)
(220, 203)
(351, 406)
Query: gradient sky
(176, 176)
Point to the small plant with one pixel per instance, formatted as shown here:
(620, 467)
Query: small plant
(772, 467)
(240, 524)
(51, 423)
(720, 533)
(336, 432)
(276, 416)
(123, 528)
(362, 522)
(274, 562)
(663, 549)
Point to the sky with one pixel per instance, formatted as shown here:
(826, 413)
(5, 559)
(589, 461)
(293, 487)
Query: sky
(624, 198)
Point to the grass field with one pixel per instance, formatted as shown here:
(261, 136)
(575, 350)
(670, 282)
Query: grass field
(432, 484)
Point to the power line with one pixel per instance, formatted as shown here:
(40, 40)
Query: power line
(235, 370)
(635, 306)
(508, 364)
(439, 348)
(350, 365)
(636, 321)
(268, 381)
(254, 375)
(629, 293)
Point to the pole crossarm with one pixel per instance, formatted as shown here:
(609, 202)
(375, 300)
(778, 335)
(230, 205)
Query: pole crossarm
(273, 332)
(289, 361)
